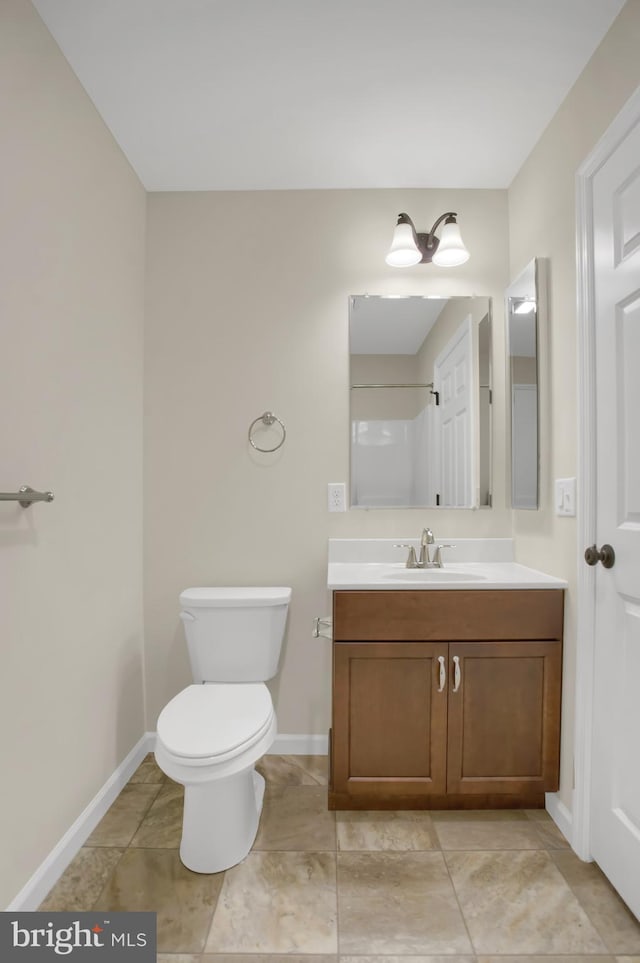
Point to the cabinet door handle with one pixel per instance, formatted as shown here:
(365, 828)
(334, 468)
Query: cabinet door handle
(457, 676)
(443, 674)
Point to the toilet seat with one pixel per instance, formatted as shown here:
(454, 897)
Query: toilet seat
(215, 722)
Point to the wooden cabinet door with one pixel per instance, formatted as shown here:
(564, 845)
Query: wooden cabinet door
(389, 719)
(504, 717)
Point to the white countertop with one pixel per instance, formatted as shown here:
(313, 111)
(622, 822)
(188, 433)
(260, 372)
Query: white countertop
(469, 564)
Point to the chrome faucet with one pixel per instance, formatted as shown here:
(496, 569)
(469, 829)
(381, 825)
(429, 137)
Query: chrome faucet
(424, 560)
(426, 540)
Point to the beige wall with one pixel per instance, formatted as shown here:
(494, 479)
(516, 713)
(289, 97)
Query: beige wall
(247, 304)
(524, 370)
(247, 310)
(385, 403)
(71, 301)
(542, 224)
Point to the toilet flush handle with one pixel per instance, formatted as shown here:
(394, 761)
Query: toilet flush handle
(187, 617)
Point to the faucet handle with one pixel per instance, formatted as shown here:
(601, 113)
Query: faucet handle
(411, 562)
(437, 559)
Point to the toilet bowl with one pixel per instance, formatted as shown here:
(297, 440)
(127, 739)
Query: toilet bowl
(211, 734)
(208, 739)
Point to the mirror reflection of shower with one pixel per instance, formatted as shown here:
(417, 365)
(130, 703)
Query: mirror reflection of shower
(420, 379)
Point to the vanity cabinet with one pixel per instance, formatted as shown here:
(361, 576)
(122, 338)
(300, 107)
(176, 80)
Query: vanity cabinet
(445, 699)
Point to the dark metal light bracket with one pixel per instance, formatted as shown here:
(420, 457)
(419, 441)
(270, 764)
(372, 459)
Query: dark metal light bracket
(427, 244)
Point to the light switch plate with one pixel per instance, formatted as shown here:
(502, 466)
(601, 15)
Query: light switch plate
(565, 496)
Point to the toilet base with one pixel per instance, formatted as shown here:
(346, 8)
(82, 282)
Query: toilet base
(220, 821)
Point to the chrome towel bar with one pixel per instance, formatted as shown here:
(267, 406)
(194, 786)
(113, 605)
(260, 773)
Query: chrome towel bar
(404, 384)
(26, 496)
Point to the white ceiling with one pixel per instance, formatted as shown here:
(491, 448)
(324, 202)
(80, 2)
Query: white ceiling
(284, 94)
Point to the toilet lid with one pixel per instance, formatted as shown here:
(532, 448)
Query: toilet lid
(214, 719)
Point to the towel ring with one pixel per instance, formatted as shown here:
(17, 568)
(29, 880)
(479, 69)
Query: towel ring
(268, 418)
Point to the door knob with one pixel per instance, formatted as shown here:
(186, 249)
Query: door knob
(606, 555)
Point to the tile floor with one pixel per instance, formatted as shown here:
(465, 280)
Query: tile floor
(434, 887)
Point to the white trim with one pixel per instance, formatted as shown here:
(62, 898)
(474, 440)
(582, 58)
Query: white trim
(560, 814)
(586, 511)
(300, 745)
(53, 866)
(586, 522)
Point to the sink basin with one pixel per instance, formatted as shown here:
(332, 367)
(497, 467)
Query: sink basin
(432, 574)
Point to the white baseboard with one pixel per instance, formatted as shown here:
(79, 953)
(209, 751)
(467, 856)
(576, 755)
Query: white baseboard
(560, 814)
(300, 745)
(52, 868)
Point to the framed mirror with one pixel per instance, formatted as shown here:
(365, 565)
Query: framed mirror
(420, 385)
(523, 304)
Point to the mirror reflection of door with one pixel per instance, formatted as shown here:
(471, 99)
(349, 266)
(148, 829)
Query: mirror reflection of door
(406, 451)
(453, 378)
(522, 311)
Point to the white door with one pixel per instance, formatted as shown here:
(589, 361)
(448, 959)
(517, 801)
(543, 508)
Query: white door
(615, 772)
(453, 378)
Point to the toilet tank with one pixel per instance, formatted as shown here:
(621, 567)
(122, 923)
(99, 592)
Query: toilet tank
(234, 634)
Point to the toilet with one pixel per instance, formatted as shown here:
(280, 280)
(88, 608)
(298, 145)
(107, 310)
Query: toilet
(212, 733)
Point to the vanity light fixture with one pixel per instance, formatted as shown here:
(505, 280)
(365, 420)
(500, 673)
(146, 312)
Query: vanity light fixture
(408, 247)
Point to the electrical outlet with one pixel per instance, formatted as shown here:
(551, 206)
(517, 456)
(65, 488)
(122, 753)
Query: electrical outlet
(337, 497)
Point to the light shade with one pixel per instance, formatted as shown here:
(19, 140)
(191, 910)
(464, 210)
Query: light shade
(403, 251)
(451, 250)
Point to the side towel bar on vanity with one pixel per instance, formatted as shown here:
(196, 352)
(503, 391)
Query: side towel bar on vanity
(26, 496)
